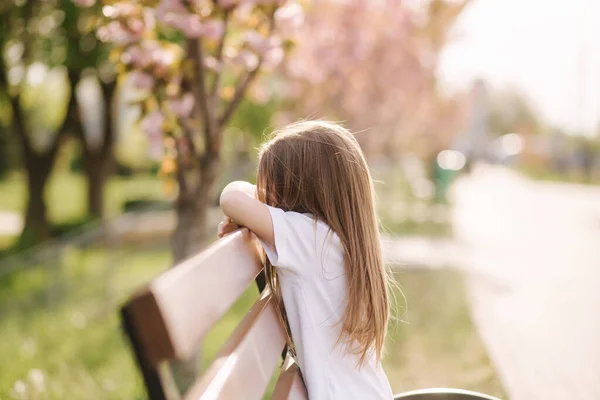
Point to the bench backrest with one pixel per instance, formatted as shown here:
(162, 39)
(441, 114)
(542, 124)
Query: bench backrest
(169, 319)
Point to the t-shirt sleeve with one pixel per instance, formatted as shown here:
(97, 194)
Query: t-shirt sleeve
(285, 251)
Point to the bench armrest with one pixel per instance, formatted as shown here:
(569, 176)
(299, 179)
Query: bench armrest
(443, 394)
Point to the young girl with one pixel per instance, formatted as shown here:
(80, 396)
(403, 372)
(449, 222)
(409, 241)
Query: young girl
(313, 211)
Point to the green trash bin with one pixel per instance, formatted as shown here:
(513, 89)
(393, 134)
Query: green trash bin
(442, 179)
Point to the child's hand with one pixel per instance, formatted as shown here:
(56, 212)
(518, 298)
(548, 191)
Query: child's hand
(226, 226)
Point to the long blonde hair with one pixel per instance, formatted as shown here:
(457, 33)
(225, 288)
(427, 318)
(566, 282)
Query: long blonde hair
(318, 167)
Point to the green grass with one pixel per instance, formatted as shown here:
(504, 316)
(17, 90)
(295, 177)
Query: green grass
(396, 206)
(434, 343)
(75, 345)
(545, 174)
(70, 335)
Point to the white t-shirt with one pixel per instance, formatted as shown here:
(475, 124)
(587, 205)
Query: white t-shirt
(310, 261)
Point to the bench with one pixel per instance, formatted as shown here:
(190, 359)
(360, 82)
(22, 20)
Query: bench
(168, 319)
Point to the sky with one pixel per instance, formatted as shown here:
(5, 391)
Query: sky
(548, 49)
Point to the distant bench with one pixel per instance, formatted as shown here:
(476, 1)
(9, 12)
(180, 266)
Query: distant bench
(169, 318)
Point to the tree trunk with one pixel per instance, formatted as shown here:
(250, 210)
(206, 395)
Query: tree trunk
(98, 162)
(97, 166)
(192, 211)
(38, 168)
(36, 226)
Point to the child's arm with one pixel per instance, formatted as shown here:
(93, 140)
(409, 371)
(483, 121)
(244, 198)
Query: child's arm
(238, 202)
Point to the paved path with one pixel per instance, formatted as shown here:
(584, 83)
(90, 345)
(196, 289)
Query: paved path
(538, 311)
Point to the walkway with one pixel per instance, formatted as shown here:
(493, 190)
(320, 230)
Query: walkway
(539, 311)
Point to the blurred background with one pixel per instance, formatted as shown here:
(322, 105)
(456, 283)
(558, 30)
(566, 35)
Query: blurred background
(120, 121)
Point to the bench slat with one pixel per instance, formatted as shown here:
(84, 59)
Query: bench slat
(290, 385)
(243, 368)
(179, 307)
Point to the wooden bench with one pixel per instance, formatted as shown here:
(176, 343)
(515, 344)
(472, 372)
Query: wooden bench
(169, 318)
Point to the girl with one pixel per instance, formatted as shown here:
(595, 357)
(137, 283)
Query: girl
(313, 211)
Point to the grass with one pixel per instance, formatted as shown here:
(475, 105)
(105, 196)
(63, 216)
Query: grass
(436, 344)
(73, 347)
(545, 174)
(402, 213)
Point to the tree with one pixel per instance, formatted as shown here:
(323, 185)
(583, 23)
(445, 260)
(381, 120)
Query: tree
(48, 36)
(193, 62)
(511, 111)
(21, 41)
(373, 65)
(87, 56)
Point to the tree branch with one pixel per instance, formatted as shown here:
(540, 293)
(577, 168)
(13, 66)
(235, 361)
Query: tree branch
(181, 181)
(69, 123)
(219, 56)
(210, 126)
(18, 128)
(187, 130)
(186, 124)
(27, 14)
(108, 93)
(240, 90)
(239, 94)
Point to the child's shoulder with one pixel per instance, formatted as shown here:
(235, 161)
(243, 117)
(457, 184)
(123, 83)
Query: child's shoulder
(302, 222)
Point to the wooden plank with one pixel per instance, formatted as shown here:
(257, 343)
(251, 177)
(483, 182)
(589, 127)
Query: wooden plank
(179, 307)
(243, 368)
(290, 385)
(151, 376)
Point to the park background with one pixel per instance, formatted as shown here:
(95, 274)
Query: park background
(121, 121)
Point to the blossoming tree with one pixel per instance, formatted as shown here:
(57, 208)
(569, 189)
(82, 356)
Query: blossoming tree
(374, 65)
(192, 62)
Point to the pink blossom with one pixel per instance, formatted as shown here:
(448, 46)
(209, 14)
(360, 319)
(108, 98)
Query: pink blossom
(84, 3)
(174, 14)
(119, 10)
(289, 18)
(230, 55)
(156, 149)
(212, 29)
(171, 5)
(150, 46)
(190, 25)
(269, 2)
(227, 3)
(141, 80)
(248, 59)
(135, 25)
(259, 94)
(260, 43)
(162, 57)
(182, 107)
(152, 123)
(149, 19)
(255, 41)
(115, 33)
(273, 57)
(137, 57)
(212, 64)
